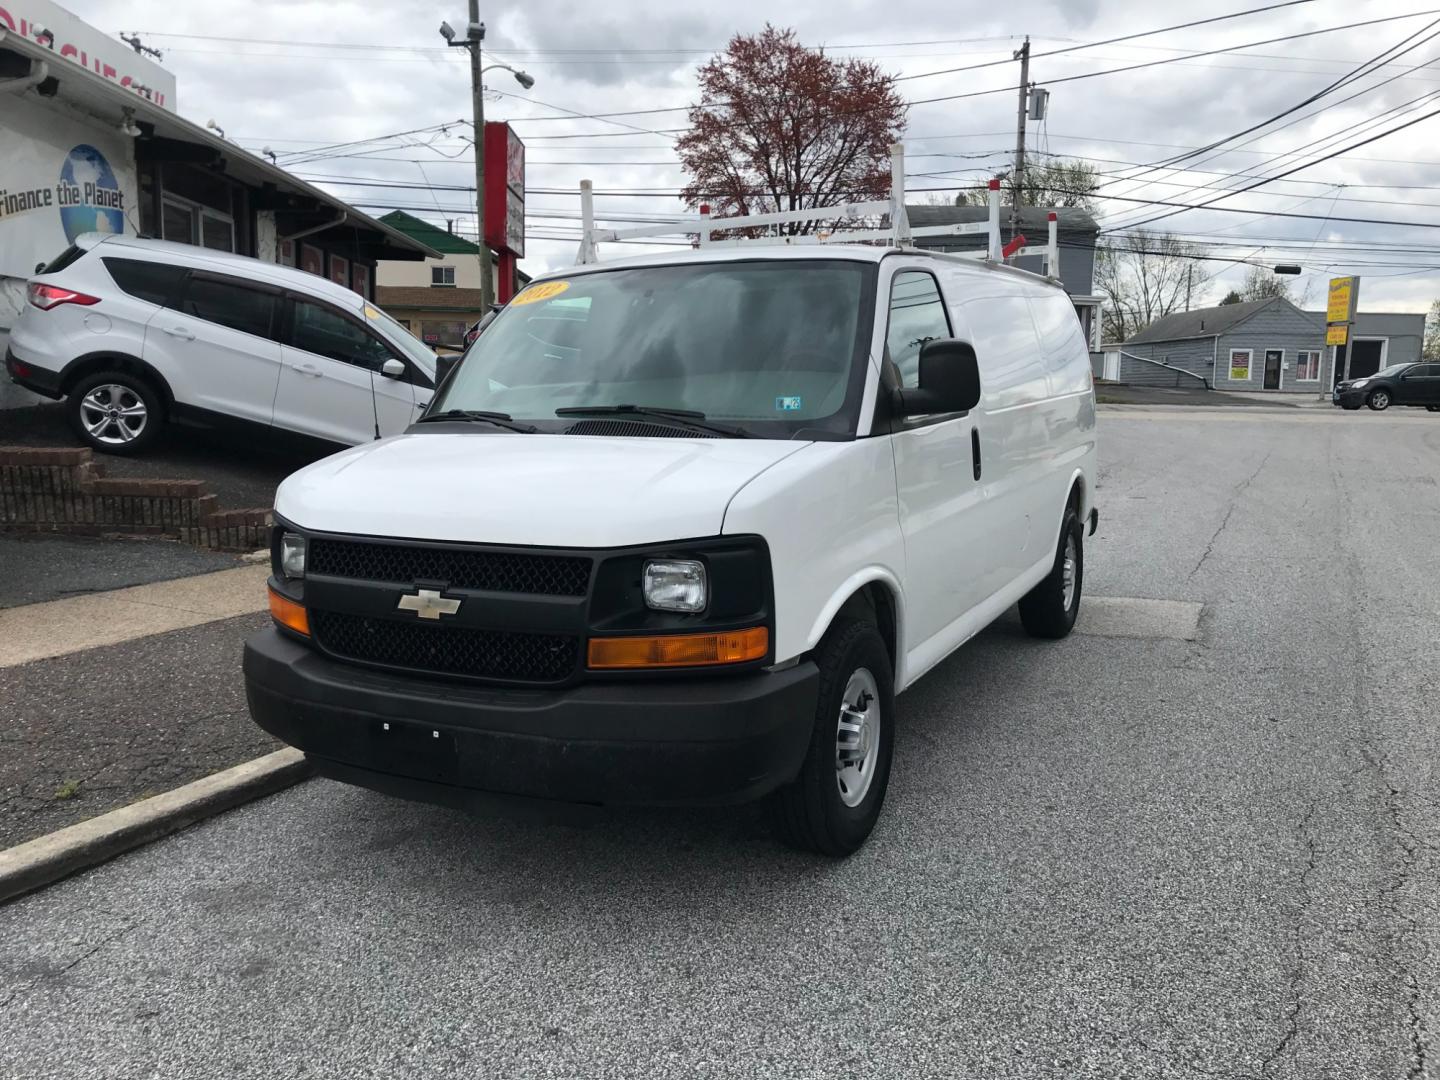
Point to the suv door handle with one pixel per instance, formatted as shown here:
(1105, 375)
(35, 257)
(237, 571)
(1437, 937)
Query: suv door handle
(180, 332)
(309, 369)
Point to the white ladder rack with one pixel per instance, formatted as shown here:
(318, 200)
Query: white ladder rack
(897, 234)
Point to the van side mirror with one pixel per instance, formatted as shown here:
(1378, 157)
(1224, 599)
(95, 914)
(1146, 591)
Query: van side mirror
(393, 369)
(949, 380)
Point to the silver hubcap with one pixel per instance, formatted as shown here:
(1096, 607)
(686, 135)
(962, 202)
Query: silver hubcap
(1067, 572)
(857, 737)
(113, 414)
(1381, 399)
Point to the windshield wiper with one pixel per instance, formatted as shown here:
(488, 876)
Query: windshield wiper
(689, 417)
(499, 419)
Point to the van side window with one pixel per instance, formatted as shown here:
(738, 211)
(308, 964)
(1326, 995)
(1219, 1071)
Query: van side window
(226, 303)
(152, 281)
(325, 332)
(917, 314)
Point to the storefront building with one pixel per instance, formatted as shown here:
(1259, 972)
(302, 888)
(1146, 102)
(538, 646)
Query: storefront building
(92, 143)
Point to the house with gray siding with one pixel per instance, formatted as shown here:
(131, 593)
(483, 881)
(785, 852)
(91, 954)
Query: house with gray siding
(1261, 345)
(1075, 229)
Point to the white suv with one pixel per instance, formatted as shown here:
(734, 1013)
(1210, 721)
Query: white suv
(137, 333)
(678, 529)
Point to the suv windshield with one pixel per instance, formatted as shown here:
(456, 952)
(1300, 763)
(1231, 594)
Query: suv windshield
(402, 339)
(770, 347)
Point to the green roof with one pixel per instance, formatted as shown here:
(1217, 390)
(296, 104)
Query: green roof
(430, 235)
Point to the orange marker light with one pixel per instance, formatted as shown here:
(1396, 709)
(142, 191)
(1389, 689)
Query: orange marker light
(289, 614)
(679, 650)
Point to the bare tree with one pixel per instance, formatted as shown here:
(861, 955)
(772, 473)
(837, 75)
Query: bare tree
(1056, 182)
(1432, 332)
(1143, 276)
(1261, 283)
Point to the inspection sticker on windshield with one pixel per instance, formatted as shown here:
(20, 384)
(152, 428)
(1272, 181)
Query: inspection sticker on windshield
(787, 404)
(544, 290)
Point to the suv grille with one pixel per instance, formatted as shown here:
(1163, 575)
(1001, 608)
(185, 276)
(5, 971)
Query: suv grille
(459, 568)
(492, 654)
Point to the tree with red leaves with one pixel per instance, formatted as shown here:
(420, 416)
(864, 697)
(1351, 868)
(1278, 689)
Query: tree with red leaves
(783, 127)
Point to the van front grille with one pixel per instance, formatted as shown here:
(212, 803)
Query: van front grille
(446, 650)
(458, 568)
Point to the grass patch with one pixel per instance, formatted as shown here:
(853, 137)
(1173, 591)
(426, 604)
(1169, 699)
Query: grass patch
(68, 790)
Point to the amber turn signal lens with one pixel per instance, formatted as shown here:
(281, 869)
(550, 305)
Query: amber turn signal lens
(680, 650)
(288, 613)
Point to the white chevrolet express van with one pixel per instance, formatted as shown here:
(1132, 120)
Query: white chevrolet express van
(678, 529)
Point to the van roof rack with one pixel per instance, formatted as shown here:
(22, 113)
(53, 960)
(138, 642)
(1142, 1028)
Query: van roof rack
(897, 233)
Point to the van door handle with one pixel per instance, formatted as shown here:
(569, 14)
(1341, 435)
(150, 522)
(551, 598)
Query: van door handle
(308, 369)
(180, 332)
(975, 450)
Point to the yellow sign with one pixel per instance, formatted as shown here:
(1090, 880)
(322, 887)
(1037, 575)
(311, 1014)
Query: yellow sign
(371, 313)
(541, 290)
(1240, 365)
(1342, 299)
(1337, 334)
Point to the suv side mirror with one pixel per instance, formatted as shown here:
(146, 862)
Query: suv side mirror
(949, 380)
(393, 369)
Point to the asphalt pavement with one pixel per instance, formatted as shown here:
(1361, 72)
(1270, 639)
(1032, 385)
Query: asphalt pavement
(49, 566)
(242, 472)
(1112, 856)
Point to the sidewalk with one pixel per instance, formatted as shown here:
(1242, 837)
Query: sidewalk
(115, 696)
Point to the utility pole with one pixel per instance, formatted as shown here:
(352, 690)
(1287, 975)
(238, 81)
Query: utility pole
(1189, 273)
(475, 36)
(1017, 178)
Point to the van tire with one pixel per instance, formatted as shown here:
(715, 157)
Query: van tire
(1045, 611)
(810, 813)
(126, 393)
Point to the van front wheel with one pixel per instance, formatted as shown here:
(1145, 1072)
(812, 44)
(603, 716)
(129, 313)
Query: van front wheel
(1049, 609)
(833, 804)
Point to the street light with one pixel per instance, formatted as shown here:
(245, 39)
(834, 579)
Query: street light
(474, 38)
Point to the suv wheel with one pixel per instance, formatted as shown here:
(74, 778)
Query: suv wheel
(833, 804)
(1379, 400)
(1049, 609)
(115, 412)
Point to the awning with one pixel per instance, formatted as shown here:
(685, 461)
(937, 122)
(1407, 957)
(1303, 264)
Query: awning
(106, 101)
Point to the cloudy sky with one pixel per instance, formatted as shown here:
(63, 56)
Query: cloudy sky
(299, 77)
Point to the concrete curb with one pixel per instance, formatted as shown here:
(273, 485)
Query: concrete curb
(46, 859)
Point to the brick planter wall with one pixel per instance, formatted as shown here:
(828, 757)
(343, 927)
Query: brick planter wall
(64, 490)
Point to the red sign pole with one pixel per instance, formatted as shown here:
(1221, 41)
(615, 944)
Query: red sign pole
(504, 203)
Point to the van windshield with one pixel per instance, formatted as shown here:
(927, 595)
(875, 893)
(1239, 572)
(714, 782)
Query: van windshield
(770, 347)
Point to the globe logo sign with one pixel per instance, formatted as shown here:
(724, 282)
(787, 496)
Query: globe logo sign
(90, 196)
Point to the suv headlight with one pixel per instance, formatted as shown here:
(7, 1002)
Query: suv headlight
(676, 585)
(1358, 383)
(292, 555)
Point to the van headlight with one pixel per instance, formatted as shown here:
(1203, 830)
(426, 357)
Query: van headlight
(675, 585)
(292, 555)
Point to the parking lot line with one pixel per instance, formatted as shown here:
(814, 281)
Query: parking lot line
(58, 627)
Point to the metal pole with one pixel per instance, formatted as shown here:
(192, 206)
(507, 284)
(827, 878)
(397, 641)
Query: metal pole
(477, 94)
(1017, 179)
(1189, 268)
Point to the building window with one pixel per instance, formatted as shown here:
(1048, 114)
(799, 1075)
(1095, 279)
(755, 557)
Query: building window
(360, 279)
(1240, 365)
(442, 277)
(189, 223)
(1307, 365)
(312, 260)
(340, 271)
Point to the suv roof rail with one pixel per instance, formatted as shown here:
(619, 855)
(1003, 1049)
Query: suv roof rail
(896, 233)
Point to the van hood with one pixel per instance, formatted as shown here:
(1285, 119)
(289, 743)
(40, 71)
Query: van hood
(545, 490)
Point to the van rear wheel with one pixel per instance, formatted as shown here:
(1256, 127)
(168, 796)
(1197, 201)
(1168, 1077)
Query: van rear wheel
(832, 806)
(1049, 609)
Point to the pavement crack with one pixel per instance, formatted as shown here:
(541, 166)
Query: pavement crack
(50, 976)
(1297, 973)
(1234, 497)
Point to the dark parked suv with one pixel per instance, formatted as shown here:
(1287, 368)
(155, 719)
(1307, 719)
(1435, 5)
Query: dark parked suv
(1399, 384)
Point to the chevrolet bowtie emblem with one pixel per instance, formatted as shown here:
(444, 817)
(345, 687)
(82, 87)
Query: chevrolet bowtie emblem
(429, 604)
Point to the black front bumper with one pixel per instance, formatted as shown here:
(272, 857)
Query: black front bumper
(40, 380)
(1347, 398)
(646, 742)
